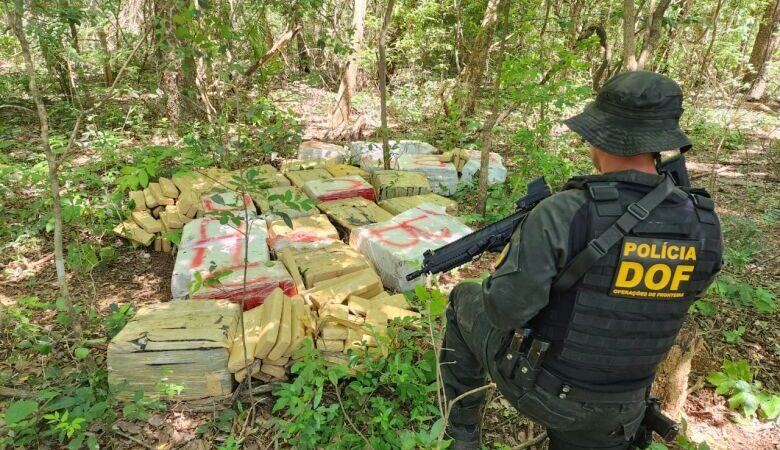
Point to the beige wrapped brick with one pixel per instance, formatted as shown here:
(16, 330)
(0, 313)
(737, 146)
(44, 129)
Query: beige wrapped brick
(193, 182)
(252, 322)
(358, 305)
(137, 197)
(351, 213)
(168, 188)
(156, 211)
(376, 317)
(166, 246)
(333, 332)
(151, 201)
(156, 191)
(278, 372)
(158, 244)
(396, 183)
(299, 320)
(273, 306)
(298, 165)
(364, 283)
(130, 230)
(284, 339)
(342, 170)
(188, 204)
(145, 220)
(171, 220)
(281, 362)
(398, 205)
(334, 311)
(241, 374)
(327, 345)
(299, 177)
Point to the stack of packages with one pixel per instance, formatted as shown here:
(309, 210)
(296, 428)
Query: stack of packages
(272, 332)
(441, 174)
(371, 158)
(468, 162)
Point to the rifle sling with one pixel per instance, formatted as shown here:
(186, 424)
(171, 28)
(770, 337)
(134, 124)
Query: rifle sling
(598, 247)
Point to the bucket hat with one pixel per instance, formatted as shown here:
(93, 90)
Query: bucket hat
(634, 113)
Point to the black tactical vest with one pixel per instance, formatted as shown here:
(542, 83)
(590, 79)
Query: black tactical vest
(610, 331)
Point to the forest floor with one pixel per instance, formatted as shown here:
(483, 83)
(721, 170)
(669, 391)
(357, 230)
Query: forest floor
(745, 181)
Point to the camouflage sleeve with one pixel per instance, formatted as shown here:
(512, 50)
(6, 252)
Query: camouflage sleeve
(538, 250)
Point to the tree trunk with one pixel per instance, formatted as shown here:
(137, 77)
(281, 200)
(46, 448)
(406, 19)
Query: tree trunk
(671, 380)
(108, 70)
(629, 36)
(490, 122)
(383, 84)
(656, 13)
(763, 49)
(474, 71)
(14, 15)
(341, 113)
(170, 64)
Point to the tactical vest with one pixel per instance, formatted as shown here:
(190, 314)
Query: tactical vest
(612, 328)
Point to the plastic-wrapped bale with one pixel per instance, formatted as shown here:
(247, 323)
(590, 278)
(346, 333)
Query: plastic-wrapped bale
(342, 170)
(307, 232)
(350, 213)
(441, 174)
(469, 161)
(205, 242)
(294, 165)
(398, 205)
(396, 247)
(394, 183)
(299, 177)
(364, 283)
(309, 266)
(261, 280)
(371, 157)
(315, 149)
(338, 188)
(224, 200)
(270, 201)
(179, 343)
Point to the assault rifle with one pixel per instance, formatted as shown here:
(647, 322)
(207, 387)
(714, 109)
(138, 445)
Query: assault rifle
(490, 238)
(496, 235)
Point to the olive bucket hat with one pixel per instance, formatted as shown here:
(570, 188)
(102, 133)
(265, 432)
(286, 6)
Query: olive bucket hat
(634, 113)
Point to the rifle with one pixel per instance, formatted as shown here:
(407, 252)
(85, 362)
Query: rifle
(495, 236)
(492, 237)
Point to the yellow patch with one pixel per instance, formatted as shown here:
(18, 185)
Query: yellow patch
(654, 268)
(502, 256)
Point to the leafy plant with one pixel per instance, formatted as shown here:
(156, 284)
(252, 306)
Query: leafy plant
(734, 336)
(744, 294)
(736, 382)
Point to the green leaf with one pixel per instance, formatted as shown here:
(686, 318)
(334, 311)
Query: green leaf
(19, 411)
(438, 303)
(286, 218)
(770, 406)
(143, 178)
(81, 352)
(746, 400)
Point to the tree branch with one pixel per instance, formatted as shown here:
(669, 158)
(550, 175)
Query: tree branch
(277, 47)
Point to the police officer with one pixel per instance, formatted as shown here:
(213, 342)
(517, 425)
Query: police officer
(600, 277)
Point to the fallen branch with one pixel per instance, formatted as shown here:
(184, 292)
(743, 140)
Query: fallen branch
(277, 47)
(16, 393)
(456, 400)
(532, 442)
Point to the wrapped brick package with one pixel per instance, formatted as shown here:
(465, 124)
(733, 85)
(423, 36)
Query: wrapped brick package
(307, 232)
(370, 157)
(396, 247)
(338, 188)
(442, 175)
(469, 162)
(315, 149)
(206, 242)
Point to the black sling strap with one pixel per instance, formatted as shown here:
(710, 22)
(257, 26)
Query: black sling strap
(598, 247)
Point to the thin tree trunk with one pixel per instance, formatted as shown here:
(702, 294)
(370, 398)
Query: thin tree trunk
(671, 381)
(763, 49)
(341, 113)
(383, 84)
(170, 65)
(490, 122)
(474, 70)
(14, 15)
(713, 35)
(629, 36)
(657, 12)
(108, 70)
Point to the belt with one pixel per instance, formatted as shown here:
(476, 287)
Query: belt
(552, 384)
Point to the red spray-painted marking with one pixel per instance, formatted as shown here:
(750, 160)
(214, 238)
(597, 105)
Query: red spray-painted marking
(429, 162)
(258, 288)
(415, 234)
(236, 238)
(210, 205)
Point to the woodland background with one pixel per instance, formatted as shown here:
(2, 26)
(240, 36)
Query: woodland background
(99, 96)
